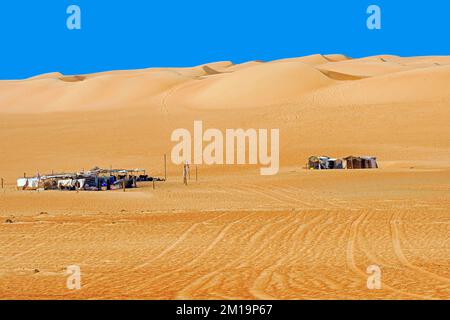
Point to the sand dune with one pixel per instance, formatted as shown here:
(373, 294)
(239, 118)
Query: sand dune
(233, 233)
(364, 69)
(85, 93)
(410, 86)
(257, 86)
(224, 85)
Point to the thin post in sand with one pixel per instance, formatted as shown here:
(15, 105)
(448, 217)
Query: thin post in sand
(153, 180)
(196, 174)
(185, 174)
(2, 183)
(123, 185)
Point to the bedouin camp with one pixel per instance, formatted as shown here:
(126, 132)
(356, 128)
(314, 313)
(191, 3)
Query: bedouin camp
(351, 162)
(95, 179)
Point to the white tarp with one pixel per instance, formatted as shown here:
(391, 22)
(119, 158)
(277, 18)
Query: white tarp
(71, 183)
(22, 182)
(80, 183)
(28, 183)
(66, 183)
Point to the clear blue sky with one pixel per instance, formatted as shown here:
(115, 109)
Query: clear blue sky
(127, 34)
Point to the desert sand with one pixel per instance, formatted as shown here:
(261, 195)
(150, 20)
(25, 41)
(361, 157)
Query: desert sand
(233, 234)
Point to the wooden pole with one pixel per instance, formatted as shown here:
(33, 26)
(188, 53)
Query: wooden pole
(2, 183)
(153, 184)
(123, 185)
(24, 175)
(196, 175)
(165, 167)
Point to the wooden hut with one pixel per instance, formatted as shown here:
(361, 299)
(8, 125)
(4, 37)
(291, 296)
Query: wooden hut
(365, 162)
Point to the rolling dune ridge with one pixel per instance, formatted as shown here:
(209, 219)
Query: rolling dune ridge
(233, 234)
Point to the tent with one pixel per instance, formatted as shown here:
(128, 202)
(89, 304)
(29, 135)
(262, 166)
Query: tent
(369, 162)
(366, 162)
(94, 179)
(66, 184)
(324, 163)
(334, 163)
(28, 183)
(314, 163)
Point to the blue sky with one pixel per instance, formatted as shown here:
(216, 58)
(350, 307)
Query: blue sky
(118, 34)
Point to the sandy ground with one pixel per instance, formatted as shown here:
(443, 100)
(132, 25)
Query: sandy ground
(233, 233)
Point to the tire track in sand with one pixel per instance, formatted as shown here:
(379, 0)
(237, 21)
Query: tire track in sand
(195, 285)
(262, 281)
(353, 234)
(284, 199)
(179, 240)
(283, 193)
(396, 243)
(42, 243)
(210, 247)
